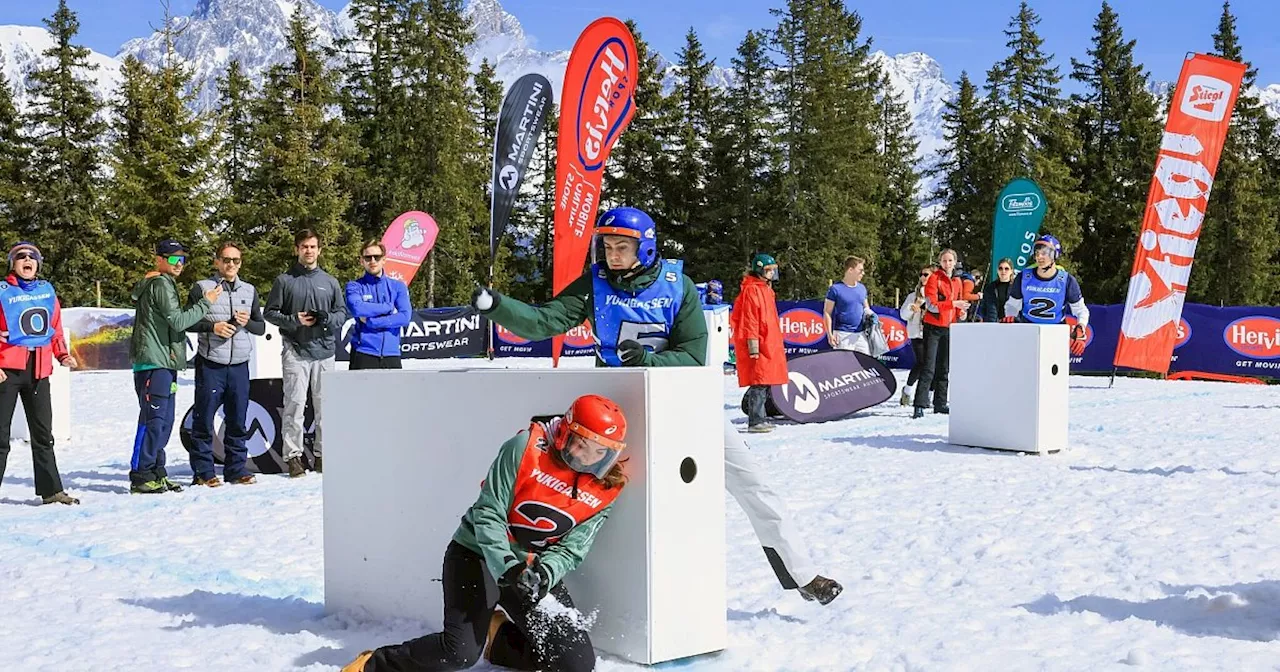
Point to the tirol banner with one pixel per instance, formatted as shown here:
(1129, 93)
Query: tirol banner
(1199, 117)
(408, 240)
(832, 385)
(1019, 211)
(596, 105)
(433, 333)
(520, 120)
(266, 440)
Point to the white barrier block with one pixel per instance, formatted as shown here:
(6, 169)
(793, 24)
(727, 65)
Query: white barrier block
(59, 398)
(1009, 386)
(405, 453)
(265, 360)
(717, 318)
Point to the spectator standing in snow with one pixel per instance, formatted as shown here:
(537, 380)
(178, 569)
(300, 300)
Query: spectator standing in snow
(30, 339)
(306, 304)
(912, 312)
(996, 293)
(158, 350)
(224, 343)
(846, 310)
(967, 285)
(943, 306)
(757, 336)
(379, 304)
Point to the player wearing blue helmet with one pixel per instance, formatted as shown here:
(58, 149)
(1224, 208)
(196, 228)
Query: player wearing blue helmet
(646, 312)
(1041, 294)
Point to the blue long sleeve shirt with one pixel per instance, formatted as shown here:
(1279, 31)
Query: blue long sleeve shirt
(380, 307)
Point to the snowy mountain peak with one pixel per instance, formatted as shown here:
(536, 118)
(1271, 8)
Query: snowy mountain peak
(22, 52)
(489, 20)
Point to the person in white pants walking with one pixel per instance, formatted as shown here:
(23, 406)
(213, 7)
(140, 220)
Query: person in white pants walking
(673, 333)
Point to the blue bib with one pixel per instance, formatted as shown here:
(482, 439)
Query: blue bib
(1043, 301)
(29, 313)
(645, 317)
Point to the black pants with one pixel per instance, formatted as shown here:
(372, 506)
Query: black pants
(470, 594)
(39, 411)
(937, 366)
(917, 348)
(753, 402)
(360, 360)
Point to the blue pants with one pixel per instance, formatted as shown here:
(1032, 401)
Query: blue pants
(156, 389)
(225, 386)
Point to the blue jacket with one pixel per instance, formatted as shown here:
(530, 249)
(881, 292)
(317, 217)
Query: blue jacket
(380, 307)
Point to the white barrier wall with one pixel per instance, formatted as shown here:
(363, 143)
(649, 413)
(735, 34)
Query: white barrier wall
(1009, 386)
(405, 453)
(265, 361)
(60, 398)
(717, 318)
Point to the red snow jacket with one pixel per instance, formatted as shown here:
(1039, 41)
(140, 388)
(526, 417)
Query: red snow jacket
(755, 317)
(14, 357)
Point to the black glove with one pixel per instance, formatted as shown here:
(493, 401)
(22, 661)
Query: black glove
(484, 299)
(523, 586)
(631, 353)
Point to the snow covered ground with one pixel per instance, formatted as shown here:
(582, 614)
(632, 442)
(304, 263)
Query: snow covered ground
(1153, 543)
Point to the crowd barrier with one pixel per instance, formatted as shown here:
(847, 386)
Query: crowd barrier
(1233, 340)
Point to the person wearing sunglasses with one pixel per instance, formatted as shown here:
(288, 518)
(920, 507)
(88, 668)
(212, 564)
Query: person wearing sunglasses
(379, 304)
(30, 339)
(224, 343)
(996, 293)
(912, 312)
(158, 350)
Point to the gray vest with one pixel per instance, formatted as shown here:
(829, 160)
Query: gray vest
(238, 348)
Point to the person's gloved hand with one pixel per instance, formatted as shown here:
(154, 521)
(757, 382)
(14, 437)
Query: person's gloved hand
(631, 353)
(1008, 319)
(484, 299)
(523, 586)
(1079, 337)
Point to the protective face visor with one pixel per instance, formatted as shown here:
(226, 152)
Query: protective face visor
(599, 453)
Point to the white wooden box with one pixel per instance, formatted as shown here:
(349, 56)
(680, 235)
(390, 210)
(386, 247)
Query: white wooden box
(717, 318)
(1009, 386)
(405, 453)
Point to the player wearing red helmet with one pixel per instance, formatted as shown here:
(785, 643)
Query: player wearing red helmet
(546, 496)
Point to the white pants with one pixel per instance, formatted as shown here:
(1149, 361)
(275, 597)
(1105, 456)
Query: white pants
(852, 340)
(300, 376)
(769, 517)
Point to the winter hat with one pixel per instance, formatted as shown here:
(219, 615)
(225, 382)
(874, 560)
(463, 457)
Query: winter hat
(35, 251)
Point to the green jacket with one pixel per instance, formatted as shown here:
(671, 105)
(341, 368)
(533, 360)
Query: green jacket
(686, 347)
(159, 323)
(484, 525)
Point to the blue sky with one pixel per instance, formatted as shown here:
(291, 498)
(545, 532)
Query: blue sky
(960, 35)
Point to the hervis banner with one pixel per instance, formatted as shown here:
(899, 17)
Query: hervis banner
(1019, 211)
(1185, 165)
(831, 385)
(596, 105)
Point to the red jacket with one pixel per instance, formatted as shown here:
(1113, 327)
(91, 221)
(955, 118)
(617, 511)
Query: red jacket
(755, 317)
(15, 357)
(940, 293)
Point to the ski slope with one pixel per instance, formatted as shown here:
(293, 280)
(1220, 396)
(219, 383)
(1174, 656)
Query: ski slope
(1152, 543)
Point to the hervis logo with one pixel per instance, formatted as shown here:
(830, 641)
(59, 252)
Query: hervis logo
(1205, 98)
(1020, 204)
(580, 336)
(895, 332)
(507, 336)
(802, 326)
(1184, 333)
(1256, 336)
(604, 102)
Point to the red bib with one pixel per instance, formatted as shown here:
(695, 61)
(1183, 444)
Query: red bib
(543, 507)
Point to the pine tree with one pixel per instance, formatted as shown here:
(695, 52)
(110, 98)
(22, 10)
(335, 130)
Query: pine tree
(829, 184)
(904, 242)
(14, 154)
(741, 183)
(964, 220)
(237, 158)
(65, 161)
(1025, 118)
(298, 182)
(1235, 260)
(1115, 119)
(685, 186)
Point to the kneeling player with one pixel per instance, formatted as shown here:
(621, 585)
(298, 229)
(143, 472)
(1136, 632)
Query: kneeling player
(1038, 295)
(502, 554)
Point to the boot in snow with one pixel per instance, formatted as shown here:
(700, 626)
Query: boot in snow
(147, 488)
(60, 497)
(295, 467)
(821, 589)
(170, 485)
(918, 413)
(907, 395)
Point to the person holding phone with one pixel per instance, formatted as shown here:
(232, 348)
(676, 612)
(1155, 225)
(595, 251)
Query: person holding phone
(224, 344)
(307, 305)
